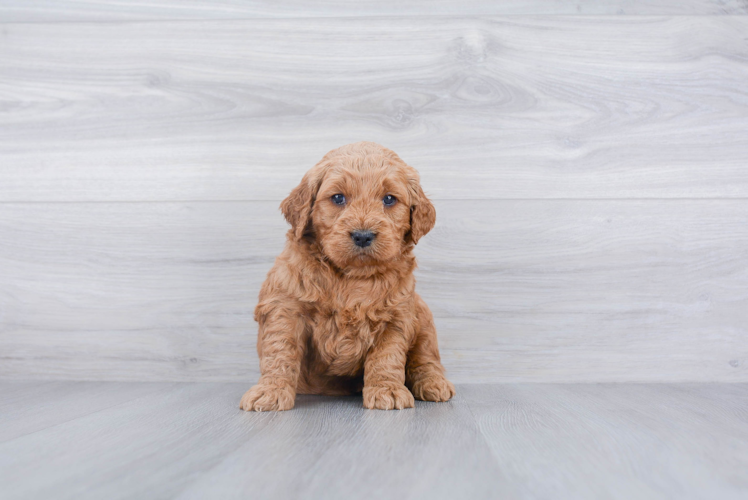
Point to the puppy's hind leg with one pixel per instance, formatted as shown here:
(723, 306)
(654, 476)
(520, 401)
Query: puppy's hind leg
(281, 349)
(424, 373)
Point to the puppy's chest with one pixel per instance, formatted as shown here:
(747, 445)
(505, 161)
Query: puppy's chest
(345, 328)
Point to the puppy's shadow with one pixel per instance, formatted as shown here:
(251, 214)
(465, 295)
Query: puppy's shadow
(311, 402)
(353, 406)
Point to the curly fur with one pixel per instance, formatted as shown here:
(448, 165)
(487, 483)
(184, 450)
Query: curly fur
(340, 319)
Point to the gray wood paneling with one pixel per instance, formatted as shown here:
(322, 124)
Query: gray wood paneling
(589, 171)
(108, 10)
(513, 107)
(509, 441)
(537, 290)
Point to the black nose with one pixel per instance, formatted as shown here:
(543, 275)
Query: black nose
(363, 238)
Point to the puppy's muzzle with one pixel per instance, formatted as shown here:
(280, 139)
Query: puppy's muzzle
(363, 238)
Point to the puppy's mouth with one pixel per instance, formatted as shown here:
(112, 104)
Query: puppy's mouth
(363, 256)
(363, 253)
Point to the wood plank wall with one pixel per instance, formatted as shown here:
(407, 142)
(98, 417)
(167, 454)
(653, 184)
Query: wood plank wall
(590, 174)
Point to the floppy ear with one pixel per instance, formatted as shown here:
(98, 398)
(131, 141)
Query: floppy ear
(422, 212)
(297, 207)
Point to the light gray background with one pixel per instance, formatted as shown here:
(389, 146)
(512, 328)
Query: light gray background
(590, 173)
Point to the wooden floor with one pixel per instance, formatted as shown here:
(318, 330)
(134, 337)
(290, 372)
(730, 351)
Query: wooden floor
(189, 440)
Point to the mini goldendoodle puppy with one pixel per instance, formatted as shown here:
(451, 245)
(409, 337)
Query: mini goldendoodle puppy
(338, 312)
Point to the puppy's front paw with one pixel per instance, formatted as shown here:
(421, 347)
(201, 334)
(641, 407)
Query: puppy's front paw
(388, 397)
(433, 387)
(268, 398)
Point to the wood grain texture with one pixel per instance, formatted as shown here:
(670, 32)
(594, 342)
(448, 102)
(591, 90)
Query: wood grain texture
(589, 171)
(150, 447)
(492, 441)
(108, 10)
(485, 108)
(617, 441)
(28, 407)
(534, 290)
(335, 448)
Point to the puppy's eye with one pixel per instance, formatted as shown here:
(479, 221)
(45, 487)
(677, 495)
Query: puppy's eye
(389, 200)
(338, 199)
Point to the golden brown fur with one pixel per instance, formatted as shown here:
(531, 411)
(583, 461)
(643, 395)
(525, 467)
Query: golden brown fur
(336, 318)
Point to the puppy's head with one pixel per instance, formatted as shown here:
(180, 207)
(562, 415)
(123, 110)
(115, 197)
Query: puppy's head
(362, 204)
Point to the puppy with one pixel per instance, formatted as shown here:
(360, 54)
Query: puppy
(338, 312)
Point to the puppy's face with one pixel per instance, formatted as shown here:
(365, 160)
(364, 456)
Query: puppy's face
(362, 204)
(361, 215)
